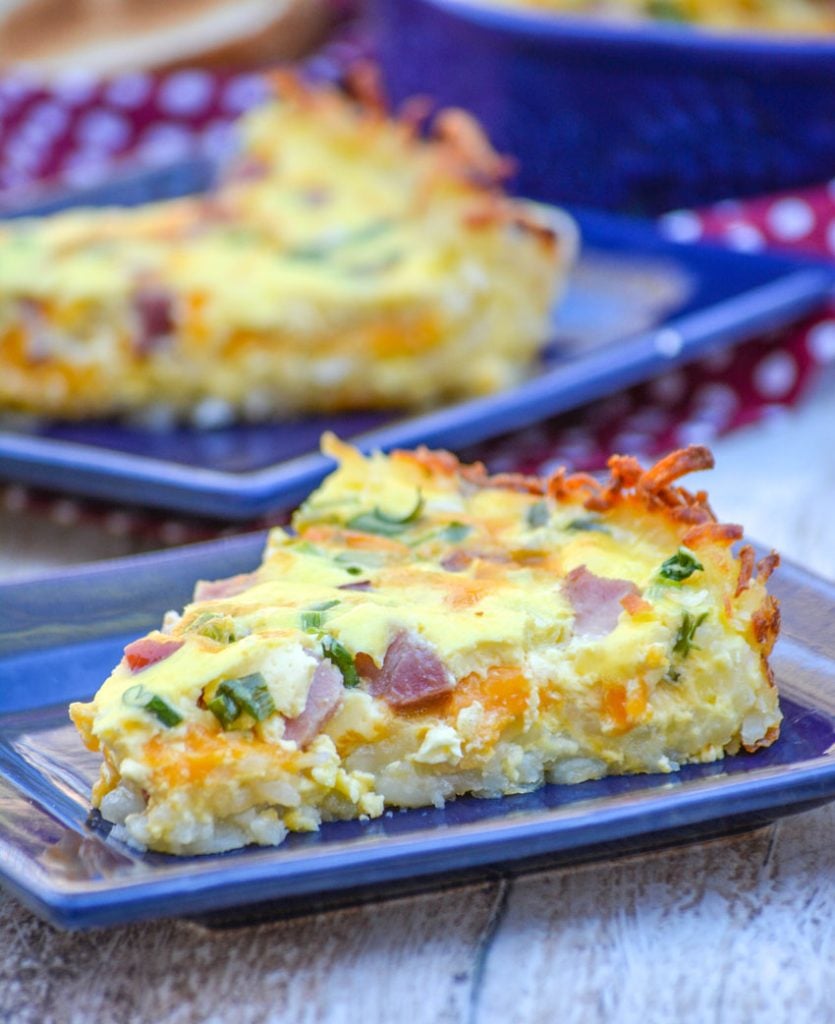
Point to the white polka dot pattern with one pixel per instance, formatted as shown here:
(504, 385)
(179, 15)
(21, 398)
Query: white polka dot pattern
(791, 218)
(186, 92)
(744, 237)
(775, 375)
(129, 91)
(681, 226)
(821, 341)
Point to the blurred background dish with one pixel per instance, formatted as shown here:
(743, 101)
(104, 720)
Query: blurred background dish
(345, 262)
(106, 37)
(804, 17)
(640, 117)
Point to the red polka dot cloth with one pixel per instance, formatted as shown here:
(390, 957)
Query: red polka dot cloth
(76, 131)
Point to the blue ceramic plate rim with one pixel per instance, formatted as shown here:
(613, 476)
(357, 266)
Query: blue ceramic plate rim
(804, 53)
(342, 865)
(797, 287)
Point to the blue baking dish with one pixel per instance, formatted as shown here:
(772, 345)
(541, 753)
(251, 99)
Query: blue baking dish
(639, 118)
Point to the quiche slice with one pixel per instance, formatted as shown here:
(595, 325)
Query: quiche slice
(345, 262)
(427, 630)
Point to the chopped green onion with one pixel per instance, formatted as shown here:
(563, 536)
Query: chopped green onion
(454, 533)
(162, 710)
(251, 694)
(686, 631)
(136, 696)
(340, 656)
(356, 562)
(680, 566)
(139, 696)
(217, 627)
(306, 548)
(327, 247)
(587, 523)
(312, 618)
(384, 524)
(233, 697)
(224, 709)
(537, 515)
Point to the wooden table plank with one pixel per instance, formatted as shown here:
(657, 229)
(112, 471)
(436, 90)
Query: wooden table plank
(360, 964)
(736, 929)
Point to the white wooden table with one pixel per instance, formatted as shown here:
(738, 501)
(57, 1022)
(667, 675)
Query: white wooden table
(738, 929)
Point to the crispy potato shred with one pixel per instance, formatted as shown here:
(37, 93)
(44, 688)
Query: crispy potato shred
(462, 149)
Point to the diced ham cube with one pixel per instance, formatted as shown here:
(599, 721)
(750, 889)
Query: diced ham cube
(596, 600)
(154, 310)
(148, 651)
(38, 337)
(210, 590)
(412, 673)
(457, 560)
(323, 699)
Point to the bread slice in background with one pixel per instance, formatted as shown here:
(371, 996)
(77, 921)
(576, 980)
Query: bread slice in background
(107, 37)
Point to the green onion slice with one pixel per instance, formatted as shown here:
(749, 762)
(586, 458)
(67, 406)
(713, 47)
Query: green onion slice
(341, 657)
(454, 533)
(215, 626)
(537, 514)
(313, 617)
(139, 696)
(587, 523)
(322, 249)
(680, 566)
(249, 695)
(224, 709)
(686, 631)
(384, 524)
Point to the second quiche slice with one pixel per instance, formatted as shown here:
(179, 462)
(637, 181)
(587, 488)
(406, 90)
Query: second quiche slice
(428, 631)
(346, 262)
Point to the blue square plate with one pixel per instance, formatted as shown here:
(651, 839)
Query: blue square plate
(60, 636)
(636, 306)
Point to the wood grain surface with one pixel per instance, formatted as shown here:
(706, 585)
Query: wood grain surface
(738, 929)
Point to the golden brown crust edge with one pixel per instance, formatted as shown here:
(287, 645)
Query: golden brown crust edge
(461, 148)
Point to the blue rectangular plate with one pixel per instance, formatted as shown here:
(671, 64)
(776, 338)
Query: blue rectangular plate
(636, 306)
(60, 636)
